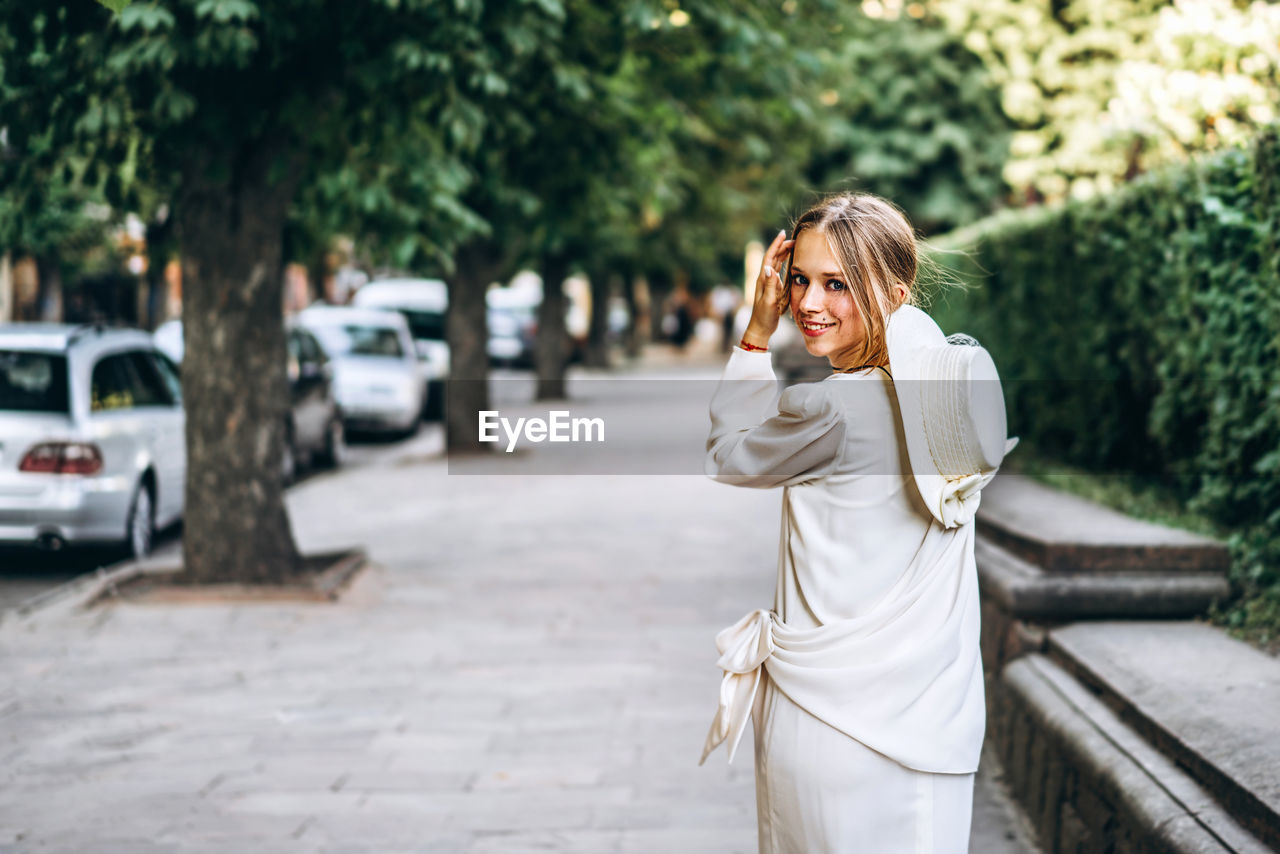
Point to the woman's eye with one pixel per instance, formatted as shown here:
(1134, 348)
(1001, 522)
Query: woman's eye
(835, 285)
(797, 279)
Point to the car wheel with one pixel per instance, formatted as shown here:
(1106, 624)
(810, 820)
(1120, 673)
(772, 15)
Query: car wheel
(334, 453)
(288, 460)
(141, 527)
(433, 408)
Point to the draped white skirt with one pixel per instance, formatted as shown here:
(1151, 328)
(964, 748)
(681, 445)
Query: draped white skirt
(818, 791)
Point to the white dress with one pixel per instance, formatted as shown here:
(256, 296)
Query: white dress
(865, 679)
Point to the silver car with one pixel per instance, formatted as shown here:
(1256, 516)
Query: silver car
(376, 379)
(92, 444)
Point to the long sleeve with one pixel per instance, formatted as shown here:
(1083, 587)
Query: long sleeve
(755, 443)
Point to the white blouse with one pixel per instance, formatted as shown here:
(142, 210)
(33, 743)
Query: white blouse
(874, 628)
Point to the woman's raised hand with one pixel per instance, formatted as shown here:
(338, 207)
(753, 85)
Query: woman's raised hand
(772, 294)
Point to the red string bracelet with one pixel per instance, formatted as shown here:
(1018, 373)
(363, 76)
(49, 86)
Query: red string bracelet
(752, 347)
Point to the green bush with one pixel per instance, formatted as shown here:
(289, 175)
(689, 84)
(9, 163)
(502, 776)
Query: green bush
(1139, 334)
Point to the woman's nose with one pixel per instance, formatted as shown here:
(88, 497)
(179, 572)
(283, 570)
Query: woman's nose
(812, 300)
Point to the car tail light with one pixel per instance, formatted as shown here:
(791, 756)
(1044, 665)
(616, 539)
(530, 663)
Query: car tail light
(63, 458)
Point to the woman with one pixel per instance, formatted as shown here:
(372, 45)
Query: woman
(864, 681)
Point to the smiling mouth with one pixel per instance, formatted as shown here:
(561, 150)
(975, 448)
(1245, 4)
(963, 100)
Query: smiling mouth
(811, 329)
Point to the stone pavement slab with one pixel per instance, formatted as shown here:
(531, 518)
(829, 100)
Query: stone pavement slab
(1061, 532)
(531, 667)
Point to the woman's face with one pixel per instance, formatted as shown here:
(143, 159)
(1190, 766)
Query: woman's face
(821, 302)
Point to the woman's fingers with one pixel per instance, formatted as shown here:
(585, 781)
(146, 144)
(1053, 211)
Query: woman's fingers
(780, 255)
(772, 292)
(771, 297)
(775, 246)
(778, 252)
(779, 260)
(771, 264)
(775, 261)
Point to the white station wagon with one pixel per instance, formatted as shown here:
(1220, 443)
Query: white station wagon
(92, 441)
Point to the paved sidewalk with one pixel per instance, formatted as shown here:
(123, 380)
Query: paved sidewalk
(531, 668)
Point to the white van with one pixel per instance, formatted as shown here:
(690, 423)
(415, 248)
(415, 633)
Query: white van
(424, 304)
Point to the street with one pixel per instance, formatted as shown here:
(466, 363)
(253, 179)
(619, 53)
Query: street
(26, 573)
(530, 666)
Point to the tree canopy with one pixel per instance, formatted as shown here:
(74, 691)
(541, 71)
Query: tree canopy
(1100, 92)
(467, 138)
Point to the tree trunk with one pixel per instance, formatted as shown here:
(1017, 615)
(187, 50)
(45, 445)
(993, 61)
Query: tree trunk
(317, 273)
(478, 264)
(598, 327)
(159, 248)
(636, 292)
(49, 298)
(659, 294)
(230, 218)
(551, 346)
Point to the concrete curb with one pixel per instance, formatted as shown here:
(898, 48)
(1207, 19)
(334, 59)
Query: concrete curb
(79, 592)
(92, 588)
(1087, 779)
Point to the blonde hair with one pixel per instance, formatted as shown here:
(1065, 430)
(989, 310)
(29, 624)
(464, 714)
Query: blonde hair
(876, 248)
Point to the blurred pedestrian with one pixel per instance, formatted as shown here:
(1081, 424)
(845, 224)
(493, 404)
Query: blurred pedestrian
(724, 302)
(681, 313)
(346, 281)
(864, 681)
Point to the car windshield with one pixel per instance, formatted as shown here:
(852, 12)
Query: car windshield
(509, 320)
(352, 339)
(427, 325)
(33, 382)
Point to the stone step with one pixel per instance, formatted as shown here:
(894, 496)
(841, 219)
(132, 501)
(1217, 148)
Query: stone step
(1090, 782)
(1063, 533)
(1209, 703)
(1025, 591)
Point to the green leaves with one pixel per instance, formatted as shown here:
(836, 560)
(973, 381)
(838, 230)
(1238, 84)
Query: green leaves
(227, 11)
(1137, 333)
(148, 18)
(116, 6)
(1103, 91)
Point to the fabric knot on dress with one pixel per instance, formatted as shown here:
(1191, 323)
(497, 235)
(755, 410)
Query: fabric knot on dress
(744, 646)
(960, 497)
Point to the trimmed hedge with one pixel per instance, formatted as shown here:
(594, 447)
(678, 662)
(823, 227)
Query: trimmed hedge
(1139, 333)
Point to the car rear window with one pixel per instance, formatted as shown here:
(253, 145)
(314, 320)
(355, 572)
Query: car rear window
(359, 340)
(33, 382)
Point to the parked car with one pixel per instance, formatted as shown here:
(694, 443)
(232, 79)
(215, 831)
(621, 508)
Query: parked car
(314, 432)
(513, 329)
(168, 337)
(424, 304)
(92, 437)
(375, 370)
(512, 318)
